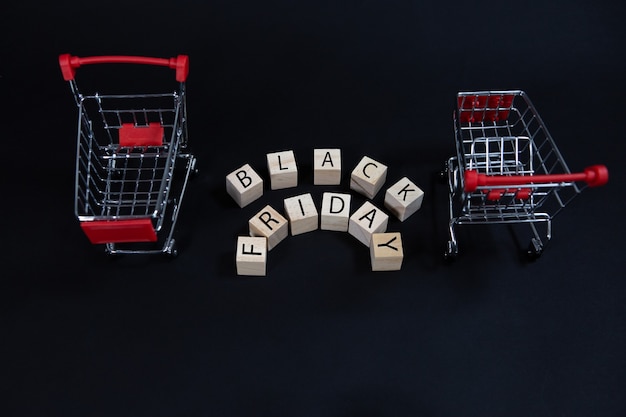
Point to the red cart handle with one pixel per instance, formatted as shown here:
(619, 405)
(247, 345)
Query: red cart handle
(70, 63)
(594, 176)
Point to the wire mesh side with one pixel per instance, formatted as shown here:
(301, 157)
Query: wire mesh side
(510, 140)
(114, 181)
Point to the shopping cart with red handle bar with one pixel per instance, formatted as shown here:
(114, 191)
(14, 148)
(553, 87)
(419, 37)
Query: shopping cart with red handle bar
(132, 162)
(507, 168)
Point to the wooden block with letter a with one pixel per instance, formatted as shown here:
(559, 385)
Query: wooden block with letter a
(367, 220)
(327, 166)
(251, 257)
(386, 251)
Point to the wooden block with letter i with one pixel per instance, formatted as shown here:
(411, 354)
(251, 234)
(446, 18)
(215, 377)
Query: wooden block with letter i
(302, 214)
(368, 177)
(327, 166)
(270, 224)
(251, 257)
(283, 170)
(244, 185)
(386, 252)
(367, 220)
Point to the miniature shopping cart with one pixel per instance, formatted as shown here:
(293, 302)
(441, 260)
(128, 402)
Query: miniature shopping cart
(130, 155)
(507, 168)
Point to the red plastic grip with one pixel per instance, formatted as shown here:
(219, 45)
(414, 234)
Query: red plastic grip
(594, 176)
(69, 63)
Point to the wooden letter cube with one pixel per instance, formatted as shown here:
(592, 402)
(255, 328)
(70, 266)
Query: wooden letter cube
(327, 166)
(302, 214)
(283, 170)
(335, 211)
(386, 252)
(366, 221)
(368, 177)
(403, 198)
(251, 257)
(244, 185)
(270, 224)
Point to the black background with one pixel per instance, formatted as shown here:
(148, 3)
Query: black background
(320, 335)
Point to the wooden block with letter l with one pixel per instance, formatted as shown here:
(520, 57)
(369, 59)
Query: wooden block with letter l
(283, 170)
(367, 220)
(386, 251)
(244, 185)
(335, 212)
(403, 198)
(368, 177)
(302, 214)
(251, 256)
(270, 224)
(327, 166)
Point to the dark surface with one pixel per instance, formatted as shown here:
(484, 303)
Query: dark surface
(320, 335)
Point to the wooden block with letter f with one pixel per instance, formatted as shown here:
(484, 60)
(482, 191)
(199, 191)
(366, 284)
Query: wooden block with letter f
(251, 257)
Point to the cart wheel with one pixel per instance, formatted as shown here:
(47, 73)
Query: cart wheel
(535, 248)
(452, 251)
(171, 250)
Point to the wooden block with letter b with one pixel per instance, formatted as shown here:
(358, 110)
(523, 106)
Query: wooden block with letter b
(283, 170)
(386, 251)
(251, 256)
(270, 224)
(244, 185)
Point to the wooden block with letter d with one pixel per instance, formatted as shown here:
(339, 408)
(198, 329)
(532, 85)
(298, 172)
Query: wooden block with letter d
(244, 185)
(367, 220)
(270, 224)
(386, 252)
(302, 214)
(335, 212)
(283, 170)
(251, 256)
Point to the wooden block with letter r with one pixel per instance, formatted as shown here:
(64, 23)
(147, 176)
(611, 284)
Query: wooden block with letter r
(270, 224)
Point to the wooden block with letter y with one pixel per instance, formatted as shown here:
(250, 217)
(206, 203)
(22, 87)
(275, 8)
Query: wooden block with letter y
(386, 251)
